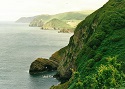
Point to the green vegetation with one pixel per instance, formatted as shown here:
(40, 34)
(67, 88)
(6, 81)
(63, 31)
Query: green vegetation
(67, 19)
(64, 16)
(96, 51)
(56, 24)
(70, 16)
(99, 75)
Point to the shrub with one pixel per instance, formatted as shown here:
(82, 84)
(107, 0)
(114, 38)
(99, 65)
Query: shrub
(108, 76)
(79, 85)
(90, 82)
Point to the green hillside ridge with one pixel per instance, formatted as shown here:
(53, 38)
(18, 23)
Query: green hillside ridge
(56, 24)
(70, 16)
(95, 55)
(67, 16)
(39, 20)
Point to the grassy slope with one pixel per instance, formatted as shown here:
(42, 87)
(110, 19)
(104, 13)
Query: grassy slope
(98, 45)
(70, 16)
(42, 17)
(56, 24)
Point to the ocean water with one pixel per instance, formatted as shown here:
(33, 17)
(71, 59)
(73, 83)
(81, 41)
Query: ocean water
(20, 45)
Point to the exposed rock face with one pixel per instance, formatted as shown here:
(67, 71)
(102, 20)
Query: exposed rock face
(41, 64)
(64, 70)
(58, 55)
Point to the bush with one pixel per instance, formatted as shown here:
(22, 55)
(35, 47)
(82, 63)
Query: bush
(108, 76)
(105, 75)
(90, 82)
(79, 85)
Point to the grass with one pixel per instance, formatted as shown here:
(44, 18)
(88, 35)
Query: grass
(56, 24)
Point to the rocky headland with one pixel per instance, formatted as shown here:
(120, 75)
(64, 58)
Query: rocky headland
(41, 65)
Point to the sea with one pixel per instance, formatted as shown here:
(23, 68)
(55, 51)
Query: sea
(20, 45)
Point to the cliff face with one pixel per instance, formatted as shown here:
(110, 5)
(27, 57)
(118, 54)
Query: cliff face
(94, 57)
(39, 20)
(42, 64)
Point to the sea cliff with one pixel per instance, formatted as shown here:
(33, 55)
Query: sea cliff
(94, 57)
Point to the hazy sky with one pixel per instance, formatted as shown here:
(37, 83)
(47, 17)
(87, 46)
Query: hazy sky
(11, 10)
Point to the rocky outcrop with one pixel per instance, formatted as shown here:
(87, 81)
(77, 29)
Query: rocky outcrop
(64, 69)
(66, 31)
(41, 64)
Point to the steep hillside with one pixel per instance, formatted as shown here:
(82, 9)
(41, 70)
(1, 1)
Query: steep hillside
(95, 55)
(38, 21)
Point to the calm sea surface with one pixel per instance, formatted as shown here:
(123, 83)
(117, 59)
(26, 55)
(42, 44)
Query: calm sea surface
(19, 46)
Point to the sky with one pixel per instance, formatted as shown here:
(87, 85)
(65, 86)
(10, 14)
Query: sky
(11, 10)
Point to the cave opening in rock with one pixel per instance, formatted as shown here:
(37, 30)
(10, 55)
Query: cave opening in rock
(48, 67)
